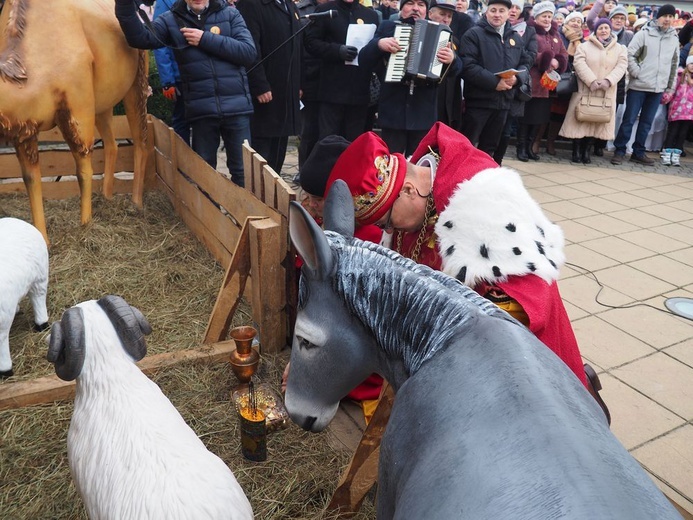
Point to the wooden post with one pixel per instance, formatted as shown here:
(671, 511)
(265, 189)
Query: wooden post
(268, 288)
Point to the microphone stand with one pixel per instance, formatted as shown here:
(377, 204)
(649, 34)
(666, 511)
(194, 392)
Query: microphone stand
(310, 21)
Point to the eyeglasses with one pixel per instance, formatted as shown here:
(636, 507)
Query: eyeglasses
(388, 223)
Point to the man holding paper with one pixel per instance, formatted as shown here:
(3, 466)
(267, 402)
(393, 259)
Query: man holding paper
(344, 87)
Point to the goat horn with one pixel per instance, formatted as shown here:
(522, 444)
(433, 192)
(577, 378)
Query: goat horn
(130, 326)
(66, 347)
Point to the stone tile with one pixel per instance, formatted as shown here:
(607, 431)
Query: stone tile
(639, 218)
(684, 256)
(670, 457)
(607, 224)
(562, 192)
(676, 231)
(618, 249)
(652, 240)
(655, 195)
(687, 223)
(666, 269)
(683, 191)
(655, 328)
(633, 283)
(576, 232)
(684, 204)
(663, 379)
(650, 181)
(618, 184)
(606, 345)
(568, 209)
(682, 351)
(593, 188)
(581, 291)
(627, 199)
(569, 272)
(635, 419)
(668, 212)
(574, 313)
(599, 204)
(586, 258)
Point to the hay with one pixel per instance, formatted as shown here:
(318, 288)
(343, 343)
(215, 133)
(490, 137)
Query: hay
(151, 259)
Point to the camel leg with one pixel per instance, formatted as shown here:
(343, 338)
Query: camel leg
(104, 122)
(27, 154)
(135, 102)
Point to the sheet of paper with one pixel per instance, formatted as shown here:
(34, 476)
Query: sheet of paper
(358, 35)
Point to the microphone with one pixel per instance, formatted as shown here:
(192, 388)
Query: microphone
(325, 14)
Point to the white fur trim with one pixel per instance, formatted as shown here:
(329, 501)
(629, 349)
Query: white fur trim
(475, 231)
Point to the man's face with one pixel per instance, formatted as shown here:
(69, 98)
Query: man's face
(665, 21)
(442, 16)
(461, 6)
(197, 5)
(413, 9)
(497, 15)
(618, 22)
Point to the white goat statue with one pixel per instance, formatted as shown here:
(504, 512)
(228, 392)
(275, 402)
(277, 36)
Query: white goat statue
(131, 454)
(23, 270)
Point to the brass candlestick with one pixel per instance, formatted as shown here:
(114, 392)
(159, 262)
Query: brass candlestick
(244, 359)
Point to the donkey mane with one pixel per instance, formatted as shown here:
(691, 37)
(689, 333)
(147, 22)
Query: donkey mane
(431, 306)
(11, 60)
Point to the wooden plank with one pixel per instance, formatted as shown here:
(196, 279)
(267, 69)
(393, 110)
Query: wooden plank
(269, 178)
(258, 187)
(61, 162)
(150, 166)
(268, 292)
(285, 194)
(51, 388)
(232, 288)
(162, 138)
(121, 130)
(362, 471)
(66, 188)
(248, 153)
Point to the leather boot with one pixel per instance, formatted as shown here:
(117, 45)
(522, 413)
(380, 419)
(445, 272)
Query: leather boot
(554, 128)
(599, 145)
(576, 151)
(536, 137)
(501, 149)
(531, 136)
(522, 143)
(586, 150)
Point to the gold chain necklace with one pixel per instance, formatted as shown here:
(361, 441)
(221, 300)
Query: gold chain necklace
(429, 218)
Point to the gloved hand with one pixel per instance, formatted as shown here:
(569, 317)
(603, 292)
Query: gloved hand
(347, 52)
(594, 86)
(169, 92)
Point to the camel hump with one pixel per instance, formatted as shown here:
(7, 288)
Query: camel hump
(12, 68)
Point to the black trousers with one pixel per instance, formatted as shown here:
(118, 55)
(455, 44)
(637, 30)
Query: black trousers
(348, 121)
(309, 130)
(676, 134)
(484, 127)
(402, 141)
(273, 149)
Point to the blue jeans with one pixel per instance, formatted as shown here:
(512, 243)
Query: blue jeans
(645, 103)
(233, 130)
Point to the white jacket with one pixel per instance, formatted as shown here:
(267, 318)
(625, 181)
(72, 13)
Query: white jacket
(652, 59)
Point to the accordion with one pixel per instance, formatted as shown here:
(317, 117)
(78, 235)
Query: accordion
(417, 59)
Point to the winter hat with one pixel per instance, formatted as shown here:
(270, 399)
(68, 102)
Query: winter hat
(402, 2)
(570, 2)
(666, 9)
(619, 9)
(374, 176)
(506, 3)
(543, 7)
(316, 170)
(689, 60)
(572, 15)
(640, 22)
(559, 17)
(601, 21)
(518, 3)
(444, 4)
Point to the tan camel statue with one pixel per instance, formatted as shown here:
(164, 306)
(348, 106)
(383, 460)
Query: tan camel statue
(66, 63)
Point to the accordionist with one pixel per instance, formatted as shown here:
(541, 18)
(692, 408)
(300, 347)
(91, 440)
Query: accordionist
(406, 114)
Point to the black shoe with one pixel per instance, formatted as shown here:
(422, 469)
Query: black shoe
(599, 152)
(642, 159)
(522, 153)
(586, 159)
(617, 159)
(532, 155)
(576, 152)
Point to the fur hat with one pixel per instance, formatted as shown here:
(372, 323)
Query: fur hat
(602, 21)
(316, 170)
(543, 7)
(574, 14)
(665, 10)
(374, 176)
(619, 9)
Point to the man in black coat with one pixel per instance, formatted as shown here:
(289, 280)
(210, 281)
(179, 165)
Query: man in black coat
(274, 83)
(343, 90)
(489, 47)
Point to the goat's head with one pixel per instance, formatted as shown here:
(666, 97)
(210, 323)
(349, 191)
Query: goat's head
(67, 342)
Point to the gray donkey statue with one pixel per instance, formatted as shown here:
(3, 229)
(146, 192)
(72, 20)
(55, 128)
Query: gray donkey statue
(487, 422)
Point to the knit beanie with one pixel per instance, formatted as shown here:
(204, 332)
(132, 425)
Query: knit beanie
(601, 21)
(572, 15)
(316, 170)
(619, 9)
(666, 9)
(543, 7)
(689, 60)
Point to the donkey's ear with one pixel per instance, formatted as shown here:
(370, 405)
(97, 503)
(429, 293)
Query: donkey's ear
(339, 210)
(310, 241)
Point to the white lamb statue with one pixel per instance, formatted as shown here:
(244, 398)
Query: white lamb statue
(23, 270)
(131, 454)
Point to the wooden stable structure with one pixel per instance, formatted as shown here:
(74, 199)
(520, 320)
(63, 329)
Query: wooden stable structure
(246, 230)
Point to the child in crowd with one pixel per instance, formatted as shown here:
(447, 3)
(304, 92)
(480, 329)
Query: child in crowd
(680, 115)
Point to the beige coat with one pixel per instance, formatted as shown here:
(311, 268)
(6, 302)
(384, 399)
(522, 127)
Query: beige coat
(593, 62)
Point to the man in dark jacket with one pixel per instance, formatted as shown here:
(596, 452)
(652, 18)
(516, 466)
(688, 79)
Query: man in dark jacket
(212, 46)
(405, 114)
(343, 90)
(490, 47)
(275, 83)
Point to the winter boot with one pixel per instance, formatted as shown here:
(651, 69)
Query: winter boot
(599, 145)
(554, 128)
(665, 154)
(675, 156)
(532, 136)
(586, 150)
(501, 149)
(576, 151)
(522, 143)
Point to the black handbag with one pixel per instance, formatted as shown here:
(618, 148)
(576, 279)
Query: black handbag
(524, 89)
(567, 85)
